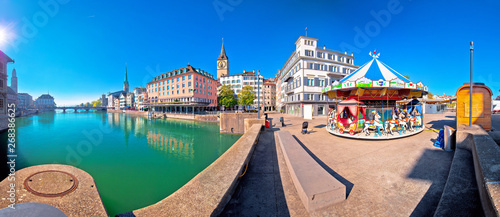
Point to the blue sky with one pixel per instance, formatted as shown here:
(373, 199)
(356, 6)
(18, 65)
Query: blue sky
(77, 50)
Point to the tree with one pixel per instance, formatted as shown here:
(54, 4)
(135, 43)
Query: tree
(87, 104)
(226, 95)
(82, 105)
(245, 97)
(96, 103)
(407, 77)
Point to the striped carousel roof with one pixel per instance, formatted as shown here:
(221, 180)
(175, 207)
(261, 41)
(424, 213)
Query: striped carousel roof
(375, 70)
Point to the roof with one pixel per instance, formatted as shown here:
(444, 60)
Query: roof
(45, 96)
(117, 93)
(176, 72)
(222, 55)
(2, 54)
(375, 70)
(11, 91)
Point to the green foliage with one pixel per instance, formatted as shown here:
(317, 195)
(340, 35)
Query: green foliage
(246, 96)
(87, 104)
(96, 103)
(407, 77)
(226, 96)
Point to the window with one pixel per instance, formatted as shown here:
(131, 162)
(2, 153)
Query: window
(320, 55)
(189, 77)
(309, 53)
(168, 88)
(316, 66)
(173, 79)
(183, 85)
(189, 83)
(177, 79)
(330, 56)
(321, 83)
(163, 82)
(168, 81)
(310, 66)
(177, 86)
(310, 81)
(183, 78)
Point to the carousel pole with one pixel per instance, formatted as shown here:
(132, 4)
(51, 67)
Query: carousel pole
(470, 92)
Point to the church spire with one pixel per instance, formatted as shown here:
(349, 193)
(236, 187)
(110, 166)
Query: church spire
(125, 83)
(222, 55)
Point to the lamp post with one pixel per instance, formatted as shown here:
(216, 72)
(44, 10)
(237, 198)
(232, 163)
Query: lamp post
(258, 94)
(470, 92)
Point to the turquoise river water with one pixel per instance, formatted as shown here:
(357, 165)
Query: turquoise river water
(134, 161)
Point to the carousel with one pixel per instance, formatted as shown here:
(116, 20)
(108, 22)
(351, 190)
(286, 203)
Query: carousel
(368, 103)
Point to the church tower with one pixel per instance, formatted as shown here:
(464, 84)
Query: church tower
(125, 83)
(13, 81)
(222, 63)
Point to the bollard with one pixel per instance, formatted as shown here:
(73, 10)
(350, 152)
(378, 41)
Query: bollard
(449, 138)
(282, 120)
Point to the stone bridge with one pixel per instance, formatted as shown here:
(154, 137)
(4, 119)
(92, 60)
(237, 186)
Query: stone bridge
(86, 108)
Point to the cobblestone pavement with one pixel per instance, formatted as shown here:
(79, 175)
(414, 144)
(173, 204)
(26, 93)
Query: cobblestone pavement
(401, 177)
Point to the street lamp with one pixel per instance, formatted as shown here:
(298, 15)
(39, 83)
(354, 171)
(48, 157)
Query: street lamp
(258, 94)
(470, 92)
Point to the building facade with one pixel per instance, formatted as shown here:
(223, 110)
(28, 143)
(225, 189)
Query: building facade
(25, 101)
(140, 97)
(306, 72)
(269, 95)
(184, 90)
(238, 81)
(4, 60)
(46, 102)
(104, 100)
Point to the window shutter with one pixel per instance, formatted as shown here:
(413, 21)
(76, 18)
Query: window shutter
(316, 82)
(305, 81)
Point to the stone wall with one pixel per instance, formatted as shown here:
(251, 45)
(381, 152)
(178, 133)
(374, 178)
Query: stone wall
(476, 147)
(234, 122)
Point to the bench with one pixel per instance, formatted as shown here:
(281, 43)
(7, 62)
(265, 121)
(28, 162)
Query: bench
(315, 186)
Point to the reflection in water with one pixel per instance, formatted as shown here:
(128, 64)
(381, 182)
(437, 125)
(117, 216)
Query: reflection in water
(119, 151)
(174, 147)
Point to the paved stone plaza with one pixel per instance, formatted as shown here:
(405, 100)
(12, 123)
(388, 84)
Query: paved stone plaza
(401, 177)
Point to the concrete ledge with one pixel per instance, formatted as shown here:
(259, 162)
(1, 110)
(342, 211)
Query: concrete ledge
(249, 122)
(82, 201)
(315, 186)
(485, 155)
(209, 191)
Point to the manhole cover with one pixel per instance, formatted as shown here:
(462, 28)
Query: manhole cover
(51, 183)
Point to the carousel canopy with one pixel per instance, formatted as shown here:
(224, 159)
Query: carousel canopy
(375, 70)
(375, 75)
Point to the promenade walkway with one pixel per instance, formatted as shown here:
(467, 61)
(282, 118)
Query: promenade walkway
(401, 177)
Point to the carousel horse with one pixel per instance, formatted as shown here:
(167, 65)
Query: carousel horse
(390, 125)
(377, 127)
(412, 121)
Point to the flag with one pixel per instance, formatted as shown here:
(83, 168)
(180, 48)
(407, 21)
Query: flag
(306, 28)
(375, 51)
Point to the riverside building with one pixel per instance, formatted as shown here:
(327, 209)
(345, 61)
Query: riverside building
(306, 72)
(238, 81)
(184, 90)
(4, 60)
